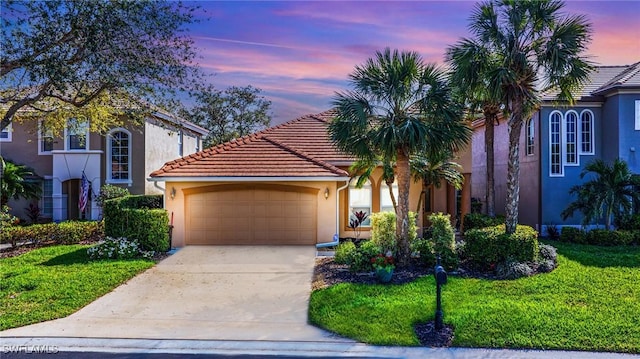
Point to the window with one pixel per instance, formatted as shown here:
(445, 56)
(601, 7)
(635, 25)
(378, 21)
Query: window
(571, 138)
(555, 153)
(77, 135)
(45, 139)
(360, 200)
(385, 198)
(119, 156)
(531, 133)
(5, 135)
(47, 197)
(586, 133)
(637, 115)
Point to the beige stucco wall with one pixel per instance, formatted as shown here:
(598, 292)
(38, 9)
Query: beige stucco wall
(326, 222)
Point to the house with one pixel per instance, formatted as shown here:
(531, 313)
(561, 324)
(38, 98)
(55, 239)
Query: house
(123, 157)
(284, 185)
(558, 141)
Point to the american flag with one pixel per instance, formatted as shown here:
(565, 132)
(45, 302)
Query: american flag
(84, 193)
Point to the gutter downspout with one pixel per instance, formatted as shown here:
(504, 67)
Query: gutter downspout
(338, 206)
(164, 199)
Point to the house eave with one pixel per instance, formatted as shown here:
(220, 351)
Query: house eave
(249, 179)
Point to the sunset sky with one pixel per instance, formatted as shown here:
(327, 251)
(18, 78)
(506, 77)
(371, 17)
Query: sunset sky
(300, 52)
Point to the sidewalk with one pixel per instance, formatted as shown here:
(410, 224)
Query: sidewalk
(285, 348)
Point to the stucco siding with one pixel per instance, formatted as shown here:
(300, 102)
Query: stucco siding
(629, 137)
(23, 148)
(161, 146)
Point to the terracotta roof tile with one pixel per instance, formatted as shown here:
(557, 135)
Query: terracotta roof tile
(298, 148)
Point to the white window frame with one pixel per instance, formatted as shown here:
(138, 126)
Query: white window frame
(592, 141)
(531, 137)
(41, 138)
(180, 143)
(8, 130)
(67, 137)
(384, 194)
(576, 134)
(352, 189)
(560, 144)
(109, 160)
(43, 207)
(637, 126)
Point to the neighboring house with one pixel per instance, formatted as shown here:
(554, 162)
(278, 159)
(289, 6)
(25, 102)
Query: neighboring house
(558, 141)
(123, 157)
(283, 185)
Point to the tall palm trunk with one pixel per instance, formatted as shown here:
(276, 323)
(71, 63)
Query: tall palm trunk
(513, 171)
(402, 213)
(490, 120)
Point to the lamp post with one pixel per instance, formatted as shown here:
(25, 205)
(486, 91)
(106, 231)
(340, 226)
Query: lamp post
(441, 279)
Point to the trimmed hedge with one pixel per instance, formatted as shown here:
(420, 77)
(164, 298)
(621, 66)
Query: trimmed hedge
(383, 230)
(600, 237)
(138, 218)
(70, 232)
(357, 257)
(444, 240)
(479, 220)
(487, 247)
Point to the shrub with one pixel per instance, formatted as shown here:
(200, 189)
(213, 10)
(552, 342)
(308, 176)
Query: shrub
(479, 220)
(73, 232)
(425, 248)
(362, 260)
(110, 192)
(486, 247)
(513, 270)
(444, 240)
(345, 252)
(115, 248)
(603, 237)
(383, 230)
(70, 232)
(6, 218)
(629, 222)
(136, 217)
(553, 232)
(573, 235)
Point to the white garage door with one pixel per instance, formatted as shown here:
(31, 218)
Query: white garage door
(252, 214)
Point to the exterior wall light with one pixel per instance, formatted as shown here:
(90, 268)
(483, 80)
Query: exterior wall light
(173, 192)
(326, 193)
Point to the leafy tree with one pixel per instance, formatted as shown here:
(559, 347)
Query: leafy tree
(399, 107)
(17, 182)
(91, 59)
(534, 43)
(472, 67)
(229, 114)
(610, 194)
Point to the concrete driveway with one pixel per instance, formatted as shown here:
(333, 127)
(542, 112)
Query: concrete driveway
(203, 292)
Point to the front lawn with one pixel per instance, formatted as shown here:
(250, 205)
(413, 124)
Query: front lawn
(53, 282)
(590, 302)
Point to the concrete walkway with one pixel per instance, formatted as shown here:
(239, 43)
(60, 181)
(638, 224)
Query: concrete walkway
(203, 292)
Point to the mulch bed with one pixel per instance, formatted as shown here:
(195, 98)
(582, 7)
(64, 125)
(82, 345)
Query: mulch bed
(328, 273)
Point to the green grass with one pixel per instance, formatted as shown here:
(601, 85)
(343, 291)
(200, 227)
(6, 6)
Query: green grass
(590, 302)
(53, 282)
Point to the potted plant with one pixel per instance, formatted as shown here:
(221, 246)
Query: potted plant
(384, 266)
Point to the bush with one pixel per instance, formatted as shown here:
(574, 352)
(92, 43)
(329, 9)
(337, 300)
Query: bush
(115, 248)
(362, 260)
(573, 235)
(6, 218)
(345, 252)
(513, 270)
(70, 232)
(444, 240)
(110, 192)
(479, 220)
(383, 230)
(603, 237)
(486, 247)
(629, 222)
(425, 248)
(553, 232)
(136, 217)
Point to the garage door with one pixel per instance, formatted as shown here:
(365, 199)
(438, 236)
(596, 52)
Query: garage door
(251, 214)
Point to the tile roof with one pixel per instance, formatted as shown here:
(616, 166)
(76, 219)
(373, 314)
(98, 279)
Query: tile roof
(298, 148)
(603, 79)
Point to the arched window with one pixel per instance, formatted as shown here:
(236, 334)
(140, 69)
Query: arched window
(571, 141)
(555, 143)
(360, 200)
(119, 156)
(531, 134)
(586, 133)
(386, 205)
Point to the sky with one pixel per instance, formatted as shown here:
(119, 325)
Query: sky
(300, 53)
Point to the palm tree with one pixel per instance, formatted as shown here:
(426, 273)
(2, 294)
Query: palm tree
(471, 66)
(399, 107)
(537, 47)
(610, 194)
(435, 168)
(17, 182)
